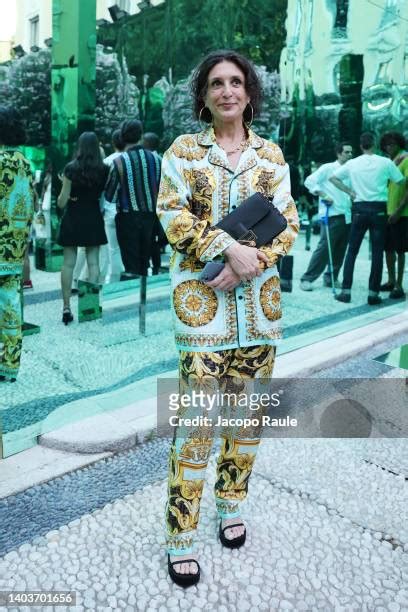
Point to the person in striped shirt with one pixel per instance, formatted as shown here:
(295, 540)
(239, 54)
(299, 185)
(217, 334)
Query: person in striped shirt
(133, 185)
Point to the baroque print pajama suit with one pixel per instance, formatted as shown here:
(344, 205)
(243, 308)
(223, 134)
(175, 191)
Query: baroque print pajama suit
(16, 213)
(221, 336)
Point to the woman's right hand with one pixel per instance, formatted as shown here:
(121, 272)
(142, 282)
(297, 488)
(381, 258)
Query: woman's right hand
(244, 260)
(226, 279)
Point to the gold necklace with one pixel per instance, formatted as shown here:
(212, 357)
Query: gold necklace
(240, 147)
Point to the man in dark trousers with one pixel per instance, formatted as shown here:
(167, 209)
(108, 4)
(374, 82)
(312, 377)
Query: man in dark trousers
(339, 211)
(133, 185)
(151, 142)
(368, 175)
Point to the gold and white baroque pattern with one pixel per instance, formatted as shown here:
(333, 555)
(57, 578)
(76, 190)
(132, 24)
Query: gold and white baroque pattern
(202, 189)
(264, 181)
(221, 242)
(282, 243)
(194, 341)
(244, 187)
(250, 163)
(191, 264)
(11, 319)
(186, 147)
(195, 303)
(169, 192)
(16, 209)
(179, 227)
(227, 507)
(270, 299)
(178, 543)
(197, 445)
(272, 152)
(202, 184)
(216, 159)
(223, 207)
(253, 331)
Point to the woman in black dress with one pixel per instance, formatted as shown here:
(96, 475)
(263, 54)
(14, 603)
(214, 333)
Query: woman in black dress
(82, 222)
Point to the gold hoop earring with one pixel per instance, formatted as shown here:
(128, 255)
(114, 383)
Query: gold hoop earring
(249, 123)
(200, 120)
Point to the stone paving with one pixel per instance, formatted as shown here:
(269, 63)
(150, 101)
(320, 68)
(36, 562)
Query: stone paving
(313, 544)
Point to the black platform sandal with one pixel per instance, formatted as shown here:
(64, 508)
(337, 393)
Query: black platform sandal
(184, 580)
(67, 316)
(235, 542)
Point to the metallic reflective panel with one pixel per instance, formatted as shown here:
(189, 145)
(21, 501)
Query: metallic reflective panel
(89, 307)
(398, 358)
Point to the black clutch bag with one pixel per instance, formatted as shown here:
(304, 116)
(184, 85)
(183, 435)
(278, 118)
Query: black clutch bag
(255, 222)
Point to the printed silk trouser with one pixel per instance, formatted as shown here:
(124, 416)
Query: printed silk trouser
(231, 371)
(10, 324)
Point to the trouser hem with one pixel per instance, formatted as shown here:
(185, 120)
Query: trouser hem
(179, 552)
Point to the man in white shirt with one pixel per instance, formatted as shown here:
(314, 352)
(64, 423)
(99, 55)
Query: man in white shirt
(338, 206)
(369, 175)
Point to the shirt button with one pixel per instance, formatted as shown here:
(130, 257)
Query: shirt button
(233, 207)
(240, 297)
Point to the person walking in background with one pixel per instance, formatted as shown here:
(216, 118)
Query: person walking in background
(151, 142)
(368, 174)
(396, 234)
(133, 186)
(112, 270)
(82, 222)
(17, 202)
(339, 210)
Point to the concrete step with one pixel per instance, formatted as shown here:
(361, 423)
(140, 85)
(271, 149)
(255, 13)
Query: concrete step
(119, 430)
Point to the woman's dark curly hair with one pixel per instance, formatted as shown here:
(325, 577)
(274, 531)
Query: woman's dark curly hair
(12, 132)
(199, 82)
(393, 138)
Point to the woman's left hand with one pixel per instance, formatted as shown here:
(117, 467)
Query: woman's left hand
(226, 280)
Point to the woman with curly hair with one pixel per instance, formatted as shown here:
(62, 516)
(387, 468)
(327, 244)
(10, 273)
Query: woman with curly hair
(226, 329)
(17, 198)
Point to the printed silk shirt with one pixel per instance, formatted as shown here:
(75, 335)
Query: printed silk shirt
(16, 209)
(198, 189)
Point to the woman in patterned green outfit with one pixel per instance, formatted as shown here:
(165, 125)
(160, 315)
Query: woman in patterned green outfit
(226, 329)
(16, 212)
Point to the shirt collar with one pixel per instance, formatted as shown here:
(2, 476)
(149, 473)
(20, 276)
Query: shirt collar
(206, 138)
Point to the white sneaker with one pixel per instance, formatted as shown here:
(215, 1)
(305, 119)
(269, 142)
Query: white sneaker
(306, 285)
